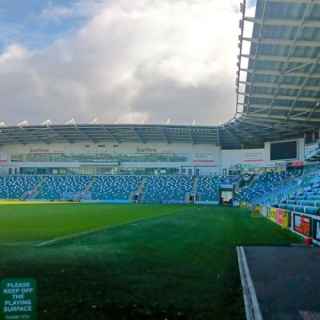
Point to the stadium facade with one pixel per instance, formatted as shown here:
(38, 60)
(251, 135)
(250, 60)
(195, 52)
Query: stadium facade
(276, 123)
(79, 150)
(277, 86)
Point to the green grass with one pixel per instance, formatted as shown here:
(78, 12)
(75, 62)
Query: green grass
(40, 222)
(151, 263)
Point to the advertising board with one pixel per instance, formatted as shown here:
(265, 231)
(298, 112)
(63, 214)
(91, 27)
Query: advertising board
(302, 224)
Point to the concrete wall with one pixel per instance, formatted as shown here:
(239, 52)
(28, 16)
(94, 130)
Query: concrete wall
(207, 159)
(243, 156)
(107, 147)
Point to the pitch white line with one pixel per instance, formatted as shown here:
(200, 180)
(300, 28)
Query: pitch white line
(252, 307)
(16, 243)
(88, 232)
(73, 235)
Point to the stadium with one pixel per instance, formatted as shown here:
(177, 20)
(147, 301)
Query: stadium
(154, 221)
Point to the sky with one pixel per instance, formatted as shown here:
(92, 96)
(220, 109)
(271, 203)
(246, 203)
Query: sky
(118, 61)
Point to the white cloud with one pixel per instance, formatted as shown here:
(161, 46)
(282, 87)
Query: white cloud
(134, 61)
(13, 53)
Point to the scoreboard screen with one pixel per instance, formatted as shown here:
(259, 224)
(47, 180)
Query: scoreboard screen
(283, 150)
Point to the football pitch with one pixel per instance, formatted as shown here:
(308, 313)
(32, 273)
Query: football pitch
(97, 261)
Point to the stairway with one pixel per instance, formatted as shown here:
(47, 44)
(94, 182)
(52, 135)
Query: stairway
(139, 191)
(193, 193)
(195, 180)
(29, 195)
(86, 193)
(255, 177)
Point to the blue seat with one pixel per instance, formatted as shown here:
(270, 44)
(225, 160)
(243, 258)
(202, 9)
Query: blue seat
(17, 187)
(115, 187)
(208, 188)
(167, 189)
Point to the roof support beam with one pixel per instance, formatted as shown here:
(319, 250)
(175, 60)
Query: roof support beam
(27, 136)
(278, 108)
(248, 132)
(85, 134)
(113, 133)
(110, 134)
(261, 84)
(252, 132)
(267, 128)
(295, 1)
(289, 58)
(165, 135)
(273, 127)
(218, 136)
(305, 81)
(315, 107)
(280, 97)
(261, 108)
(255, 123)
(278, 117)
(58, 134)
(241, 132)
(243, 136)
(279, 122)
(304, 60)
(192, 137)
(9, 137)
(269, 72)
(140, 137)
(283, 42)
(308, 9)
(284, 22)
(231, 134)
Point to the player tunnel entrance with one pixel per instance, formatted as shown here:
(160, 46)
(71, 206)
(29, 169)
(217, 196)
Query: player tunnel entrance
(226, 194)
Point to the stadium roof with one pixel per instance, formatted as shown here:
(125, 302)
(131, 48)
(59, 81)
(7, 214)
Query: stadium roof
(225, 136)
(278, 82)
(116, 133)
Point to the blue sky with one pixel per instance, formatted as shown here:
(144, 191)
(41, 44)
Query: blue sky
(32, 23)
(35, 24)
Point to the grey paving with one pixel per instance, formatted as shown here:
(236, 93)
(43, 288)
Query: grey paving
(287, 281)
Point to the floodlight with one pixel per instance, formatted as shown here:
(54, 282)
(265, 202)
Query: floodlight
(71, 121)
(23, 123)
